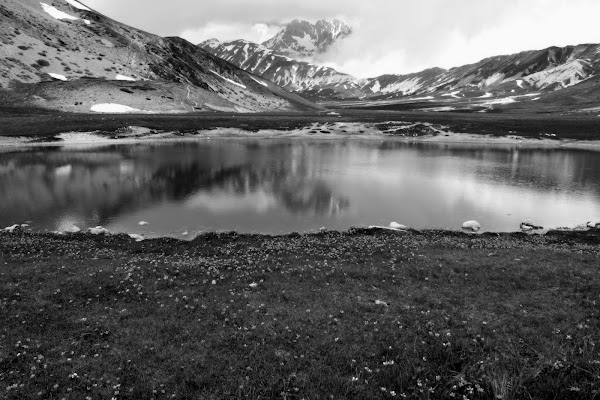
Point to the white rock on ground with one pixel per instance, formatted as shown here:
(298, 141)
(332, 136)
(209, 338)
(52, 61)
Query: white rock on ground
(136, 237)
(73, 229)
(381, 303)
(395, 225)
(595, 223)
(528, 225)
(12, 228)
(98, 230)
(472, 226)
(142, 223)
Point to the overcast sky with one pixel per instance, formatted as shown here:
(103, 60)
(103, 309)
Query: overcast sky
(391, 36)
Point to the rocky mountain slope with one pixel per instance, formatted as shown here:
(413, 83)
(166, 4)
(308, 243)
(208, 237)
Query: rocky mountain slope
(529, 71)
(285, 59)
(62, 55)
(300, 76)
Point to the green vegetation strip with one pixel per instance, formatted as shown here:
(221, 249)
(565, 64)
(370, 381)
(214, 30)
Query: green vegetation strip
(362, 314)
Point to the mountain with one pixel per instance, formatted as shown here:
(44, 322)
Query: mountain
(550, 69)
(311, 80)
(284, 59)
(301, 39)
(495, 80)
(66, 56)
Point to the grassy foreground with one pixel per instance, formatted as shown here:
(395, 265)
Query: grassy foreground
(363, 314)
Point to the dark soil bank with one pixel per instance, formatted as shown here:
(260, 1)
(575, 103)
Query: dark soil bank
(39, 123)
(364, 314)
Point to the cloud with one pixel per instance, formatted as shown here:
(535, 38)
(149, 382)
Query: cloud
(390, 36)
(448, 34)
(257, 33)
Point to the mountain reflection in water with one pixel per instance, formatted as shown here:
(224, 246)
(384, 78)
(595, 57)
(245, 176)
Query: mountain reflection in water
(278, 186)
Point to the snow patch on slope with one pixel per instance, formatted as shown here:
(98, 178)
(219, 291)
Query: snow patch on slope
(78, 5)
(228, 80)
(453, 94)
(408, 86)
(260, 82)
(376, 87)
(506, 100)
(56, 13)
(497, 77)
(566, 75)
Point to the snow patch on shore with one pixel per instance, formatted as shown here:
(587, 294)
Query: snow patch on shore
(58, 76)
(125, 78)
(506, 100)
(80, 137)
(219, 108)
(113, 108)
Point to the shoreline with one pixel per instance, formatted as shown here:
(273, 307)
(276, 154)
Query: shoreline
(96, 138)
(102, 232)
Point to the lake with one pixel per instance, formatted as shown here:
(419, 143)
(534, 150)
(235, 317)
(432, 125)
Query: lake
(291, 185)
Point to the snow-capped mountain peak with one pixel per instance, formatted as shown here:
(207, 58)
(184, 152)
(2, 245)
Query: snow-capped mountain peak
(301, 39)
(212, 43)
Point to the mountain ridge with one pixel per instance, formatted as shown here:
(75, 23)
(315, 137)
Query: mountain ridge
(69, 57)
(501, 76)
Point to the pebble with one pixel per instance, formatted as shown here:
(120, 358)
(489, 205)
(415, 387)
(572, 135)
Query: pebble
(98, 230)
(72, 229)
(138, 238)
(472, 226)
(528, 225)
(11, 229)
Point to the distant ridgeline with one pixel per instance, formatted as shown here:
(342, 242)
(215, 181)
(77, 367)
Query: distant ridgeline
(288, 60)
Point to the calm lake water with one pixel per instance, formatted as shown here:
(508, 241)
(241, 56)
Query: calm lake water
(280, 186)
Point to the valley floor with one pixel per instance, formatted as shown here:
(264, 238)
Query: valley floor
(359, 314)
(43, 125)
